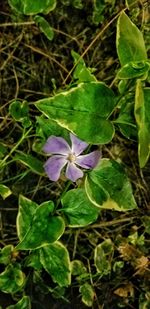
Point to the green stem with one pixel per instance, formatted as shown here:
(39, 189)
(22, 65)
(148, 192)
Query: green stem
(24, 135)
(63, 193)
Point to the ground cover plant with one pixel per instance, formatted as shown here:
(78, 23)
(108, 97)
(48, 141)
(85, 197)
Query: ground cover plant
(74, 154)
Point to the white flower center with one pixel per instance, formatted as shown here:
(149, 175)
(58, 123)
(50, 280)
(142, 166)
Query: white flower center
(71, 157)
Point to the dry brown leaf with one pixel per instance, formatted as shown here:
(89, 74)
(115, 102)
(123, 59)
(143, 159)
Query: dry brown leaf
(125, 291)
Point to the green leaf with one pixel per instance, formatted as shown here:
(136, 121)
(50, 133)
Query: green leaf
(4, 191)
(145, 304)
(39, 280)
(78, 268)
(59, 293)
(3, 150)
(55, 259)
(81, 72)
(23, 303)
(33, 260)
(130, 2)
(87, 293)
(44, 27)
(96, 193)
(98, 8)
(136, 240)
(142, 116)
(79, 108)
(144, 300)
(17, 5)
(27, 209)
(46, 127)
(126, 119)
(122, 86)
(117, 267)
(146, 223)
(108, 187)
(133, 70)
(78, 209)
(78, 4)
(102, 257)
(18, 109)
(12, 279)
(43, 229)
(32, 162)
(29, 7)
(6, 254)
(129, 42)
(20, 112)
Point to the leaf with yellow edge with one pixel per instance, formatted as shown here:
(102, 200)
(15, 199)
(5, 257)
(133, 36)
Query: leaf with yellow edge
(107, 186)
(142, 116)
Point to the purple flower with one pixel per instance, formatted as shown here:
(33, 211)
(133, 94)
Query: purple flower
(64, 155)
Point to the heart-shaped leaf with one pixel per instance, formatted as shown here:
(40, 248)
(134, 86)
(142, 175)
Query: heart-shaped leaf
(20, 112)
(80, 108)
(43, 228)
(12, 279)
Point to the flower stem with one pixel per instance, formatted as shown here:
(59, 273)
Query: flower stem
(63, 193)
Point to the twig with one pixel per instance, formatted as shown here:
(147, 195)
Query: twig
(92, 43)
(109, 223)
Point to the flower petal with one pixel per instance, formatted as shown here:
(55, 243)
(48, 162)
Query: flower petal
(73, 172)
(90, 160)
(56, 145)
(78, 146)
(53, 166)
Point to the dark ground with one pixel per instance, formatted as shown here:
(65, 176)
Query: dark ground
(31, 68)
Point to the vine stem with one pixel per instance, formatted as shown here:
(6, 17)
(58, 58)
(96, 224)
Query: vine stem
(24, 135)
(110, 223)
(25, 23)
(63, 193)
